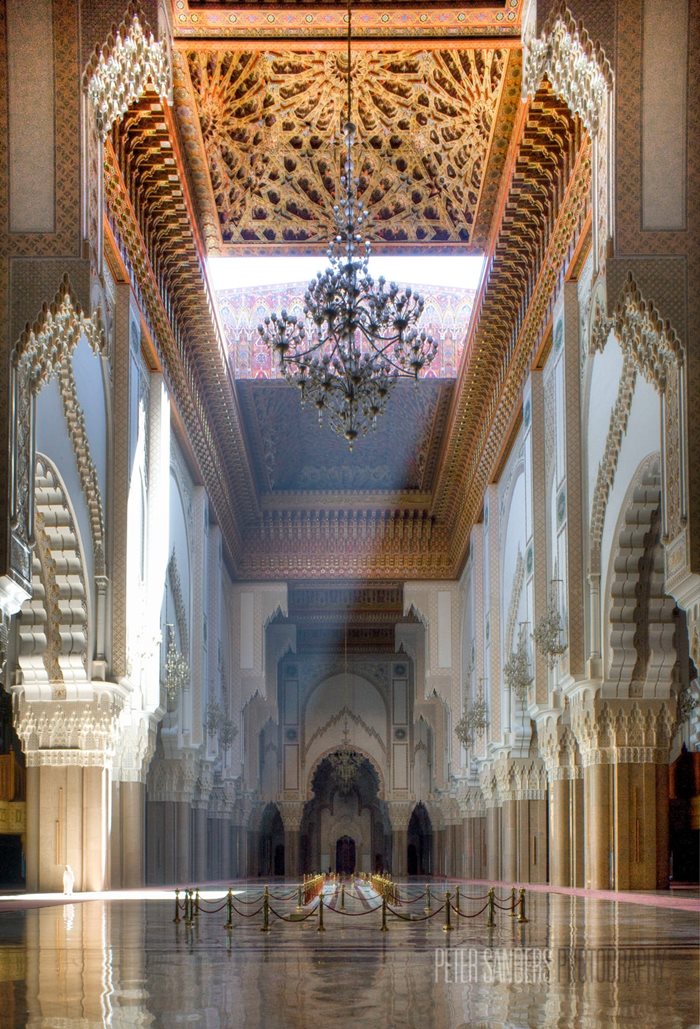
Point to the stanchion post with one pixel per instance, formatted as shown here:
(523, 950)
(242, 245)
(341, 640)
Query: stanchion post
(384, 926)
(447, 927)
(177, 906)
(321, 927)
(428, 907)
(188, 907)
(299, 904)
(513, 904)
(196, 902)
(342, 897)
(266, 912)
(457, 904)
(521, 913)
(491, 921)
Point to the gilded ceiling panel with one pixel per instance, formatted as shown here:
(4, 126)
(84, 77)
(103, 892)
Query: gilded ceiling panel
(431, 123)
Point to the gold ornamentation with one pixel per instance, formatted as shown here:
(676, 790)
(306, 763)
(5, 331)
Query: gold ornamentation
(425, 120)
(122, 70)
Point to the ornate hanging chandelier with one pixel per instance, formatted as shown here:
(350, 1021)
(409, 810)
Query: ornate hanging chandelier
(516, 671)
(474, 722)
(549, 633)
(357, 337)
(345, 764)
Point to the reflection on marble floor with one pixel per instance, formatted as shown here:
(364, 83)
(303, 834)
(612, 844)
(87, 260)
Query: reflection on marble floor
(578, 962)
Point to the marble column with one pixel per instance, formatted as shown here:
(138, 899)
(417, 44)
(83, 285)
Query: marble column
(510, 841)
(183, 822)
(493, 857)
(291, 853)
(399, 846)
(132, 825)
(560, 850)
(200, 844)
(598, 826)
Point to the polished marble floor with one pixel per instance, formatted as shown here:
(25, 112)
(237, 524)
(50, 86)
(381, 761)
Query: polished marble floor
(577, 962)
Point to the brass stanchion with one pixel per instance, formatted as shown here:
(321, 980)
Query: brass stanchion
(321, 927)
(266, 912)
(188, 907)
(447, 927)
(196, 902)
(457, 904)
(342, 897)
(384, 926)
(229, 910)
(513, 904)
(299, 904)
(491, 920)
(428, 906)
(521, 915)
(177, 906)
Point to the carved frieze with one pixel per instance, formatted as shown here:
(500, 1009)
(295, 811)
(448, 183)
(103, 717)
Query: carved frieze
(122, 69)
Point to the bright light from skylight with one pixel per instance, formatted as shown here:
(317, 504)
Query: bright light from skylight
(239, 272)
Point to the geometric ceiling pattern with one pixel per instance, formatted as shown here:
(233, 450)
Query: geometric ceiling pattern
(264, 145)
(291, 453)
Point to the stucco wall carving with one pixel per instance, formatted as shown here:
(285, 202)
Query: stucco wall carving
(607, 468)
(575, 66)
(658, 355)
(122, 69)
(77, 430)
(40, 351)
(179, 602)
(622, 731)
(82, 733)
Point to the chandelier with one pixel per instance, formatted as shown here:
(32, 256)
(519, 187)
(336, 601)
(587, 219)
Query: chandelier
(177, 671)
(516, 671)
(474, 721)
(548, 634)
(357, 337)
(345, 764)
(218, 724)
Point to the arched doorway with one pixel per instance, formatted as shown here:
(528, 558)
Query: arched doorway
(271, 852)
(345, 855)
(344, 811)
(419, 857)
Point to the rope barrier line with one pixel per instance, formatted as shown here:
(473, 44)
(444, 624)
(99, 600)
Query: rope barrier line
(288, 918)
(314, 890)
(417, 918)
(463, 914)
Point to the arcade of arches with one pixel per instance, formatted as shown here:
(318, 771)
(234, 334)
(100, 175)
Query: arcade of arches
(233, 648)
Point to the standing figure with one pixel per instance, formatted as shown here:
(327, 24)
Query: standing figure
(68, 881)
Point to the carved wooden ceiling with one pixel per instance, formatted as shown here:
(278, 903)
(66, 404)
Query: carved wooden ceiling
(247, 148)
(433, 130)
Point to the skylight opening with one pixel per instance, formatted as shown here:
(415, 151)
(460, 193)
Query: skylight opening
(248, 290)
(462, 272)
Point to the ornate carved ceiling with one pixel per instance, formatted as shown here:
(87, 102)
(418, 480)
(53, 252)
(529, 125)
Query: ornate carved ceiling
(292, 502)
(433, 128)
